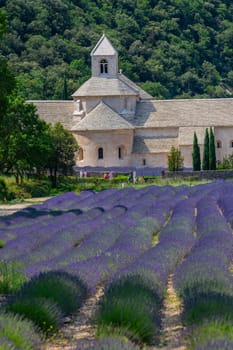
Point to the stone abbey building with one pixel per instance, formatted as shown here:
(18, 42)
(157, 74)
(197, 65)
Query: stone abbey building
(116, 123)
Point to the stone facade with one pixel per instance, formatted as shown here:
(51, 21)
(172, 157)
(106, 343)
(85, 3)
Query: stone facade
(116, 123)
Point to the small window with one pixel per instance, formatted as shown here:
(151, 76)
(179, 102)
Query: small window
(120, 153)
(219, 144)
(80, 154)
(231, 144)
(103, 67)
(100, 153)
(144, 162)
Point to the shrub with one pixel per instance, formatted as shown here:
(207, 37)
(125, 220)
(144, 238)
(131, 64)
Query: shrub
(43, 312)
(11, 277)
(3, 190)
(2, 243)
(60, 287)
(16, 333)
(130, 307)
(211, 331)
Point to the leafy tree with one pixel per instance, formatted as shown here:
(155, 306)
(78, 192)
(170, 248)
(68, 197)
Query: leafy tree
(205, 161)
(63, 151)
(175, 159)
(25, 141)
(212, 151)
(7, 80)
(196, 154)
(184, 48)
(227, 162)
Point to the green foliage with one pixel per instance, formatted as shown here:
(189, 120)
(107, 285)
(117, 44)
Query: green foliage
(2, 243)
(175, 159)
(11, 277)
(175, 49)
(212, 151)
(227, 162)
(215, 328)
(43, 312)
(196, 154)
(3, 190)
(62, 155)
(16, 333)
(206, 158)
(27, 144)
(67, 291)
(130, 307)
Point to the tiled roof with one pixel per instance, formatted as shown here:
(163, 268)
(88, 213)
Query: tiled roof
(186, 135)
(187, 113)
(105, 86)
(102, 117)
(143, 144)
(143, 94)
(56, 111)
(103, 48)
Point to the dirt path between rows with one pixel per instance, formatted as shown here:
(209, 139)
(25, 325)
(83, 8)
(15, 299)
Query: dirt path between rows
(7, 209)
(80, 329)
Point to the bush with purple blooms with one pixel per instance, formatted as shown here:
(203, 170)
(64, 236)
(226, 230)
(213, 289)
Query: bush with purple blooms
(111, 343)
(17, 333)
(130, 307)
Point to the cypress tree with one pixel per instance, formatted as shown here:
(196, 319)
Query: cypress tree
(212, 152)
(205, 161)
(196, 154)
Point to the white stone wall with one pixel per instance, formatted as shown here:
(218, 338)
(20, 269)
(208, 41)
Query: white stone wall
(150, 160)
(112, 65)
(225, 135)
(110, 142)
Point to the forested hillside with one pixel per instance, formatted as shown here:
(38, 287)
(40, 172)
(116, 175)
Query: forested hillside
(172, 48)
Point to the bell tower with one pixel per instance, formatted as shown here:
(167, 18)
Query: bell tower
(104, 59)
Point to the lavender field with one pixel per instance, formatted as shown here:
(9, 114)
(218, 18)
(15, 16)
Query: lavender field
(131, 242)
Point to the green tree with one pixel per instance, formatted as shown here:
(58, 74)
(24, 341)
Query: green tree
(25, 142)
(212, 151)
(205, 161)
(196, 154)
(63, 151)
(7, 80)
(175, 160)
(227, 162)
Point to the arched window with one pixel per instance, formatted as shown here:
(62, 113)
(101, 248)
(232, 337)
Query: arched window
(103, 66)
(100, 153)
(219, 144)
(80, 154)
(144, 161)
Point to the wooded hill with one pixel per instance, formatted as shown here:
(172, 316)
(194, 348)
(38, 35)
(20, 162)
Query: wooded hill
(172, 48)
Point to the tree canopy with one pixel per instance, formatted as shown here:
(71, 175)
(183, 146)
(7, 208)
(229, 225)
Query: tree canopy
(175, 48)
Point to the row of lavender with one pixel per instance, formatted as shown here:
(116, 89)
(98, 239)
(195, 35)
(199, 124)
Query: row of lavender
(204, 280)
(107, 236)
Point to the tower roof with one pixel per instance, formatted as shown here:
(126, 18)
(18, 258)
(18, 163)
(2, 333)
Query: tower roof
(102, 117)
(104, 48)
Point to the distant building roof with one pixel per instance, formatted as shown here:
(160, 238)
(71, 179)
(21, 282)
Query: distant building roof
(105, 86)
(145, 144)
(56, 111)
(187, 113)
(102, 117)
(186, 135)
(104, 48)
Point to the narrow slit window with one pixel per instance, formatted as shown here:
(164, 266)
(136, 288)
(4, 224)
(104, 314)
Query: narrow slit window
(219, 144)
(100, 153)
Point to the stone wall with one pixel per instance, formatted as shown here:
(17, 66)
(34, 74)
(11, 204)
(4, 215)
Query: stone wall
(200, 175)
